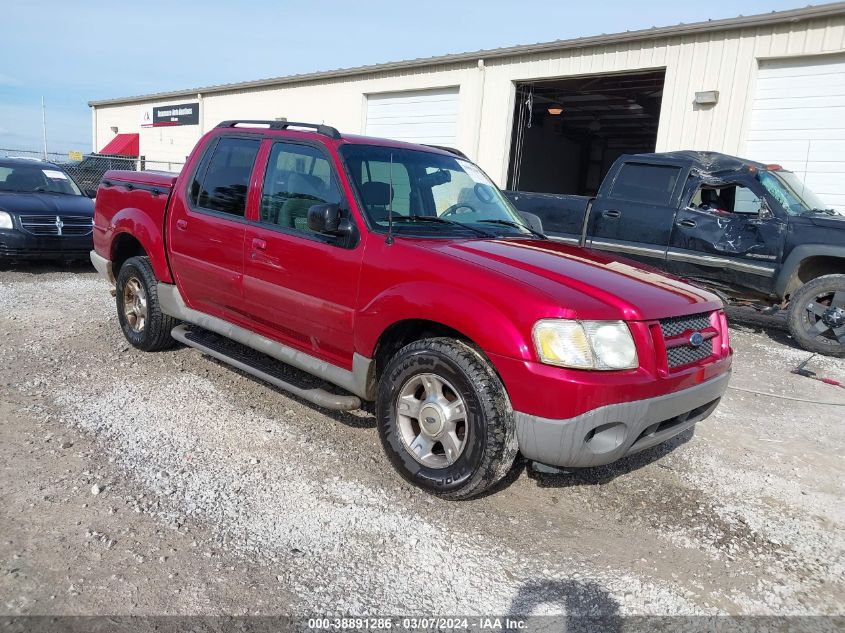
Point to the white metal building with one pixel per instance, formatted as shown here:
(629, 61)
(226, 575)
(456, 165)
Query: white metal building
(554, 116)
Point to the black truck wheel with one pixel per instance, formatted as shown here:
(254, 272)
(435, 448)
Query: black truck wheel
(444, 418)
(817, 315)
(141, 319)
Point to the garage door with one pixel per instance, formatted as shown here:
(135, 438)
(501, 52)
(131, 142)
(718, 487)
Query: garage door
(798, 121)
(426, 116)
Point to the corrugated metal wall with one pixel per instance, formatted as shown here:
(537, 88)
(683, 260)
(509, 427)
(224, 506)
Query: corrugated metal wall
(726, 61)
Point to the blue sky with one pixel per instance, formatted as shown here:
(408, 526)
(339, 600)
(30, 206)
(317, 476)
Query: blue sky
(74, 52)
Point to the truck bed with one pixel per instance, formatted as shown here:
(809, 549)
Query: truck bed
(562, 215)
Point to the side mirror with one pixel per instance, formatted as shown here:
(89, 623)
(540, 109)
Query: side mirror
(765, 210)
(326, 219)
(90, 193)
(532, 220)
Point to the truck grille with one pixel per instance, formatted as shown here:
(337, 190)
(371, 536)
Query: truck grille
(675, 326)
(678, 356)
(57, 225)
(686, 353)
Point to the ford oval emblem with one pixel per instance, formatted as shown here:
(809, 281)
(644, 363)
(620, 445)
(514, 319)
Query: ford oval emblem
(696, 339)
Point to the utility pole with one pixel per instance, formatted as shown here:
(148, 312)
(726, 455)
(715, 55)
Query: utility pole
(44, 125)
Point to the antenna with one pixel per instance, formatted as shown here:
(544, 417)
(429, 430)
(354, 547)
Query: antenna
(389, 239)
(44, 125)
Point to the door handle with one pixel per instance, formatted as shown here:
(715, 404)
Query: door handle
(259, 245)
(687, 223)
(181, 224)
(612, 214)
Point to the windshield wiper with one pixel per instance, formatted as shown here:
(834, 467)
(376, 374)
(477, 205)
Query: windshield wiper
(517, 225)
(41, 190)
(438, 220)
(825, 211)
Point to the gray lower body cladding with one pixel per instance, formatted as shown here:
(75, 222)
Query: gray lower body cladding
(603, 435)
(355, 381)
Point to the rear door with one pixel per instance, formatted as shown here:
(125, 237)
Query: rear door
(300, 286)
(635, 210)
(207, 224)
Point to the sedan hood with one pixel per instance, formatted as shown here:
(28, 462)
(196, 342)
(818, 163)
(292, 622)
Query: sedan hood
(46, 204)
(561, 271)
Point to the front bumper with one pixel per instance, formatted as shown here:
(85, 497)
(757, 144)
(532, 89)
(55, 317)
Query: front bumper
(19, 245)
(611, 432)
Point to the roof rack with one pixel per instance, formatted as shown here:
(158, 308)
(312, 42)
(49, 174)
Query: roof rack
(325, 130)
(451, 150)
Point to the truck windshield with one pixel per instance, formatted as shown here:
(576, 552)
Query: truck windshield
(41, 178)
(795, 197)
(428, 193)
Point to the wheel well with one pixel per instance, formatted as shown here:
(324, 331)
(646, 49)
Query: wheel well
(402, 333)
(813, 267)
(125, 246)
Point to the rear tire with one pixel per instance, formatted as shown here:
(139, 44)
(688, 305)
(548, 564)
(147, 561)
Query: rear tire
(444, 418)
(817, 315)
(143, 323)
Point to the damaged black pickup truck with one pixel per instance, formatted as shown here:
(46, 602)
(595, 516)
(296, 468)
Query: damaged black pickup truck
(751, 232)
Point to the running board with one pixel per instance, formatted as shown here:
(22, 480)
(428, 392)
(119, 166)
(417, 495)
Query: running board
(263, 371)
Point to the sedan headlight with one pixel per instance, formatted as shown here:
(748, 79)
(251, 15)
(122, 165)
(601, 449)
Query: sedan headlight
(605, 345)
(5, 220)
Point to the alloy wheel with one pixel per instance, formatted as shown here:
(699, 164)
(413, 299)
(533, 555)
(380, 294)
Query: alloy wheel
(432, 420)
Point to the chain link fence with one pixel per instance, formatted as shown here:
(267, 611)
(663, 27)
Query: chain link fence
(88, 170)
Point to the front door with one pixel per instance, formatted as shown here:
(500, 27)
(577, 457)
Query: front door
(727, 235)
(206, 228)
(634, 212)
(301, 286)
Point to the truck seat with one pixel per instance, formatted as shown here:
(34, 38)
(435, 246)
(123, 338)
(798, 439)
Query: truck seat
(376, 196)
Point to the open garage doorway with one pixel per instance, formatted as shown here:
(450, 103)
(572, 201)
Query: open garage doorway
(568, 132)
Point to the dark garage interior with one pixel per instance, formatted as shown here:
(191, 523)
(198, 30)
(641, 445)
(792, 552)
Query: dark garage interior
(568, 132)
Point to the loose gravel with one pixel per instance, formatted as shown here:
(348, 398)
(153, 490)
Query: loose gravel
(744, 516)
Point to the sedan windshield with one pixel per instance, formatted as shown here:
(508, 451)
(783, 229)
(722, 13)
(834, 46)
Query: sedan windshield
(429, 193)
(41, 178)
(795, 197)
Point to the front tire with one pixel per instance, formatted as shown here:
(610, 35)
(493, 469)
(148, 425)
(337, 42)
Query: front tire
(444, 418)
(817, 315)
(143, 323)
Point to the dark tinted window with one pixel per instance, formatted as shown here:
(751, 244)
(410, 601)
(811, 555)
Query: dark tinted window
(297, 178)
(225, 181)
(652, 184)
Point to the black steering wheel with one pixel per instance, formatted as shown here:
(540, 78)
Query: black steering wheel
(453, 210)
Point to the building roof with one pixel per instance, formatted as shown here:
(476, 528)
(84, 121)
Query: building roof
(762, 19)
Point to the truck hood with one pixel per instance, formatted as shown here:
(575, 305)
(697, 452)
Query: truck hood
(637, 292)
(828, 221)
(46, 204)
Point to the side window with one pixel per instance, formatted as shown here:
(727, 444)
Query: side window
(222, 185)
(746, 201)
(649, 184)
(297, 178)
(728, 199)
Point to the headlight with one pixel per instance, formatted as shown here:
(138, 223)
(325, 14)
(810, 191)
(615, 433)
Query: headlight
(5, 220)
(603, 345)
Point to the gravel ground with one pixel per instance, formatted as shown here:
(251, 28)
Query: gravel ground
(140, 483)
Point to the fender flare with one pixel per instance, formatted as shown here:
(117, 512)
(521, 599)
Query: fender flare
(800, 254)
(476, 318)
(147, 232)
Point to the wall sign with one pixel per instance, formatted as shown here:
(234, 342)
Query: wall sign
(177, 114)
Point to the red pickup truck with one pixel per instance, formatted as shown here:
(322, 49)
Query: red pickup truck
(399, 274)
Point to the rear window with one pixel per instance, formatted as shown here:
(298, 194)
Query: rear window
(650, 184)
(223, 184)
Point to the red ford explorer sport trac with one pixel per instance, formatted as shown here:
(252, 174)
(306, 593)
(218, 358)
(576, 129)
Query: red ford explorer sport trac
(399, 274)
